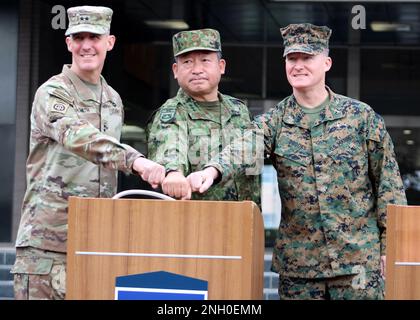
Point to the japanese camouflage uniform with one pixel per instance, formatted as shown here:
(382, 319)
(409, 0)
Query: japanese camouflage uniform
(183, 136)
(335, 181)
(74, 151)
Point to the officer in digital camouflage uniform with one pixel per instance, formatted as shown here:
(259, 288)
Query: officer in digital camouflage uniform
(76, 125)
(336, 172)
(191, 127)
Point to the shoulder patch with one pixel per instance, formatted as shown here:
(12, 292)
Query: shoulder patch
(60, 107)
(167, 114)
(57, 109)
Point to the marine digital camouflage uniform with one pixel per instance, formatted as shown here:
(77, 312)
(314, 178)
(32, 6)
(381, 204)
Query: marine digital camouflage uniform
(335, 182)
(182, 136)
(74, 151)
(336, 177)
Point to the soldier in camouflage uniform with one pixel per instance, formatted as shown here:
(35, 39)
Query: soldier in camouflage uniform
(189, 129)
(336, 172)
(76, 125)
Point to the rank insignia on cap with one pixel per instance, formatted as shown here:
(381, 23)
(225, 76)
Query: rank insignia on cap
(93, 19)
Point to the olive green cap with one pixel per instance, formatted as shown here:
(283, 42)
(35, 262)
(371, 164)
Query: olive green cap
(202, 39)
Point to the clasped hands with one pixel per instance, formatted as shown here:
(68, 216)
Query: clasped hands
(175, 184)
(178, 186)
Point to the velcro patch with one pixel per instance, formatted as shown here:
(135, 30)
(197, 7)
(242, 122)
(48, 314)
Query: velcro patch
(61, 94)
(167, 114)
(59, 107)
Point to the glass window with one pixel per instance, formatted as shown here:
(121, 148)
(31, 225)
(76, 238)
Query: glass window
(406, 141)
(7, 134)
(8, 76)
(277, 85)
(337, 76)
(389, 80)
(243, 77)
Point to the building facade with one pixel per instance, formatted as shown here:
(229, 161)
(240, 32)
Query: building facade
(374, 47)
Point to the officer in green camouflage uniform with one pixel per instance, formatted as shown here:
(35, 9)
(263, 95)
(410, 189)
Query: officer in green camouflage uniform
(336, 172)
(189, 129)
(76, 125)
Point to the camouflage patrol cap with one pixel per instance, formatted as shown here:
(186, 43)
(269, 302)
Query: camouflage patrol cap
(89, 19)
(202, 39)
(305, 37)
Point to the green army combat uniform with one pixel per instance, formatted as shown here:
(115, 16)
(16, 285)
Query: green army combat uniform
(183, 136)
(336, 173)
(74, 151)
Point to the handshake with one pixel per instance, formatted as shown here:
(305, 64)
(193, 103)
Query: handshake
(175, 184)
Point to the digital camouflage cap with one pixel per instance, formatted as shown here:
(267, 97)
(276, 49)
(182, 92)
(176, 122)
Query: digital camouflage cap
(305, 38)
(202, 39)
(89, 19)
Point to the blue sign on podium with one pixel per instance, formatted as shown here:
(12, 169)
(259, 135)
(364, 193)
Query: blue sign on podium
(160, 285)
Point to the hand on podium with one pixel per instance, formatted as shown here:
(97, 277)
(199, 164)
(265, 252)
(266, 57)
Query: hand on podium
(176, 185)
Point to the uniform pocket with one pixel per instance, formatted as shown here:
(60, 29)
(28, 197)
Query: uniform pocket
(58, 279)
(350, 157)
(349, 168)
(292, 156)
(32, 265)
(200, 132)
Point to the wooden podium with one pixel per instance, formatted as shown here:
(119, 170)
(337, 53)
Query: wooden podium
(403, 253)
(221, 242)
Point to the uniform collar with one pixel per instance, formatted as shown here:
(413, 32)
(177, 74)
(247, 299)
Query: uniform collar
(294, 114)
(195, 112)
(82, 90)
